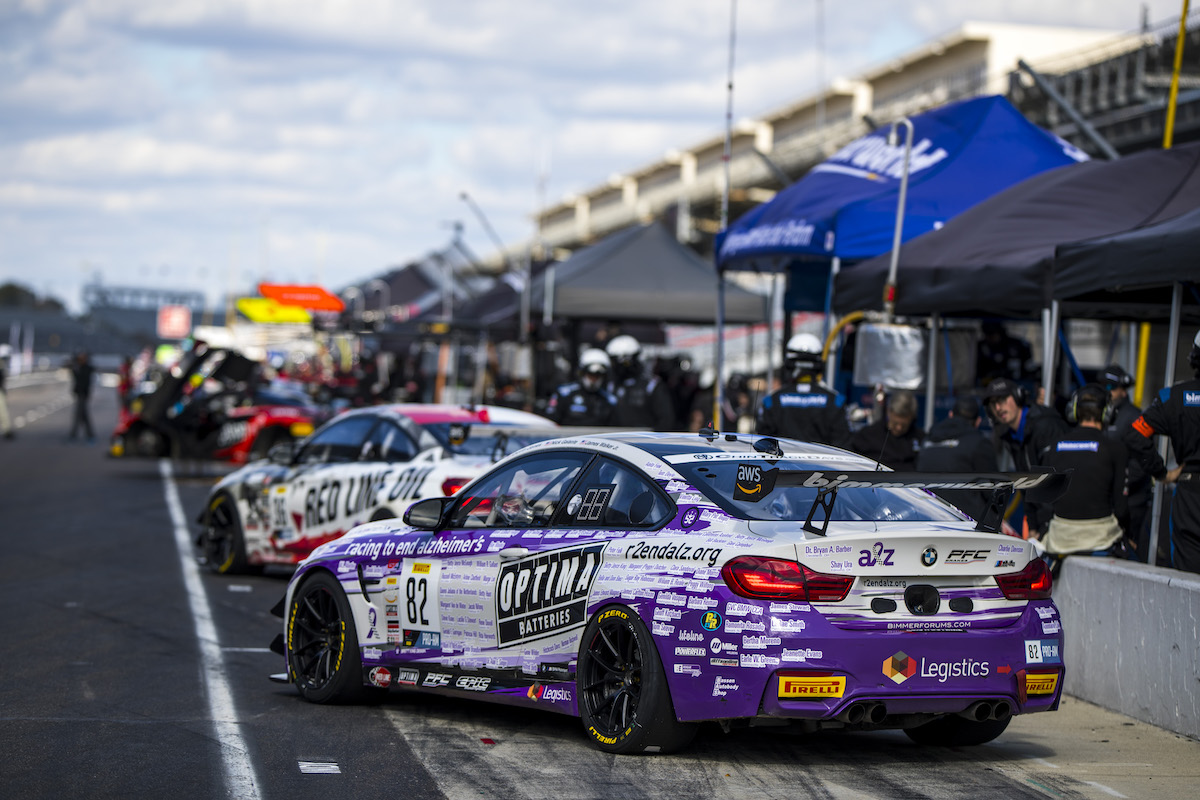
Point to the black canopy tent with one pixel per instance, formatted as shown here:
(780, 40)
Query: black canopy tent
(642, 273)
(1130, 275)
(996, 258)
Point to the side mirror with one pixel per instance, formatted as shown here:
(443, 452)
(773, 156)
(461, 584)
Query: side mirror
(428, 515)
(282, 453)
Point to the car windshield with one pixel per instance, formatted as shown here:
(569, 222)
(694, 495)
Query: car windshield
(483, 439)
(752, 489)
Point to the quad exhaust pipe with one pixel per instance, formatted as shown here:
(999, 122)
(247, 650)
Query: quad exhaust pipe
(982, 710)
(870, 712)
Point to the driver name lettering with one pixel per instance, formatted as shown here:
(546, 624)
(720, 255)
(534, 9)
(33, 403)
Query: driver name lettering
(545, 594)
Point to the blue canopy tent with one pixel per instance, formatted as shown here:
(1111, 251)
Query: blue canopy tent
(844, 209)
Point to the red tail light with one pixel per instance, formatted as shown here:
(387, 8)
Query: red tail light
(779, 579)
(452, 485)
(1032, 583)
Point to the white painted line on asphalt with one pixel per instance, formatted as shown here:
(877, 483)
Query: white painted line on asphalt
(240, 587)
(240, 778)
(320, 768)
(1107, 790)
(246, 649)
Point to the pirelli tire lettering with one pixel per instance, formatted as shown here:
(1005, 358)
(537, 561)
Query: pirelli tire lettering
(545, 594)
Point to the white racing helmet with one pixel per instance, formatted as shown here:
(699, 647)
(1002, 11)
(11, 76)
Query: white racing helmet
(803, 355)
(594, 365)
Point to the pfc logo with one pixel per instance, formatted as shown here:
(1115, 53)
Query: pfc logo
(900, 667)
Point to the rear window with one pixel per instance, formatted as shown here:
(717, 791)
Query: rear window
(482, 439)
(751, 490)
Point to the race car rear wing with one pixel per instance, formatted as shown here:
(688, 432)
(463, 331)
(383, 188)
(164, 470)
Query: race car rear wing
(1042, 487)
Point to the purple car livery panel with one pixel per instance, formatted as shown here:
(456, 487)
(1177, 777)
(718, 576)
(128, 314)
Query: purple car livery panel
(647, 582)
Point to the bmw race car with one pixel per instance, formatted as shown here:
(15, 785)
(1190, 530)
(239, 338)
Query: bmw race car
(646, 582)
(365, 464)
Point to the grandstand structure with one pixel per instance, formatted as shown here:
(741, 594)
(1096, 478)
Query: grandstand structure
(1103, 91)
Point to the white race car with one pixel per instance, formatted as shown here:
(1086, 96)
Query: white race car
(366, 464)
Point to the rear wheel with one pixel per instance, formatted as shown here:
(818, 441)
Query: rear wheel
(223, 543)
(954, 731)
(624, 700)
(322, 646)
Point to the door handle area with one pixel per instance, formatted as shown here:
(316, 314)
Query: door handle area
(511, 553)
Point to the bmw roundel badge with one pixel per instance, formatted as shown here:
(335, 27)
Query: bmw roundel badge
(929, 557)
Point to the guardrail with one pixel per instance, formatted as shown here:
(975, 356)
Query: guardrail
(1132, 639)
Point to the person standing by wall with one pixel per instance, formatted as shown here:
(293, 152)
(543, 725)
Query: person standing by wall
(82, 376)
(1137, 482)
(642, 402)
(1091, 515)
(1025, 432)
(1175, 413)
(5, 419)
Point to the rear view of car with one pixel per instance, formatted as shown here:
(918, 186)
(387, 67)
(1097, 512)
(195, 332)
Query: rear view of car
(649, 582)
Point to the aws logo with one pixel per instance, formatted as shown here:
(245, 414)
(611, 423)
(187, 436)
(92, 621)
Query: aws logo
(753, 482)
(900, 667)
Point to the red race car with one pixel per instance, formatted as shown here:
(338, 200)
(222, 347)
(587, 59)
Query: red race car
(208, 407)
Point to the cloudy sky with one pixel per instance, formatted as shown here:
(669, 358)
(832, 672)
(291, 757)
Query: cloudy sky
(212, 144)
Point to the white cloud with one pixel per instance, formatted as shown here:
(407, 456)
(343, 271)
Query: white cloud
(226, 137)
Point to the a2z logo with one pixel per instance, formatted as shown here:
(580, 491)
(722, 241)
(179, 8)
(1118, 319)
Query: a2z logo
(878, 555)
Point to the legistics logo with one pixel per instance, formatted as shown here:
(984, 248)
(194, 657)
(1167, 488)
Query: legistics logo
(900, 667)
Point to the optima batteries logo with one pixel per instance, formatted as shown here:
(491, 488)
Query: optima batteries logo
(900, 667)
(545, 594)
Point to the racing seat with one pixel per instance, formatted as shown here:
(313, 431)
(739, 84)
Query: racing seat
(641, 508)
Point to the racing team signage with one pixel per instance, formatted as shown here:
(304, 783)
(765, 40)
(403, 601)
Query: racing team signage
(545, 594)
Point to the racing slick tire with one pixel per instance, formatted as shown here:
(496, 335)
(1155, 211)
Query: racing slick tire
(624, 701)
(222, 543)
(322, 646)
(952, 731)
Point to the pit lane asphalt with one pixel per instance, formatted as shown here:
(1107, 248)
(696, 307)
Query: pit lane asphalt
(102, 693)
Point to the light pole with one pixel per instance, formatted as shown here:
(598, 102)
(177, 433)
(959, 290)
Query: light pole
(889, 289)
(385, 296)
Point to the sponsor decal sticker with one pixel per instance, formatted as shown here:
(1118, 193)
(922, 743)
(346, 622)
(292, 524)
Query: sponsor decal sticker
(722, 686)
(721, 646)
(545, 594)
(757, 661)
(968, 556)
(690, 636)
(436, 679)
(877, 556)
(1041, 684)
(711, 620)
(690, 651)
(381, 677)
(1051, 627)
(742, 609)
(689, 518)
(662, 629)
(723, 662)
(900, 667)
(808, 686)
(1042, 651)
(687, 669)
(423, 639)
(408, 677)
(802, 654)
(473, 683)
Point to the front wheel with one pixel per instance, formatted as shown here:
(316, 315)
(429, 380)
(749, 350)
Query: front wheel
(322, 646)
(957, 731)
(222, 542)
(624, 700)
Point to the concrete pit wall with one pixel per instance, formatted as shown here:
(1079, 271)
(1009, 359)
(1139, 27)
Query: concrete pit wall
(1132, 639)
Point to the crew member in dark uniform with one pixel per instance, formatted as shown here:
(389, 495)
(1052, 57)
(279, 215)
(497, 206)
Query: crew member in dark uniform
(1025, 432)
(1138, 489)
(586, 402)
(807, 410)
(1176, 413)
(1091, 515)
(641, 402)
(894, 440)
(957, 445)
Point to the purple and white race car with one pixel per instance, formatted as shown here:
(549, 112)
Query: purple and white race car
(646, 582)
